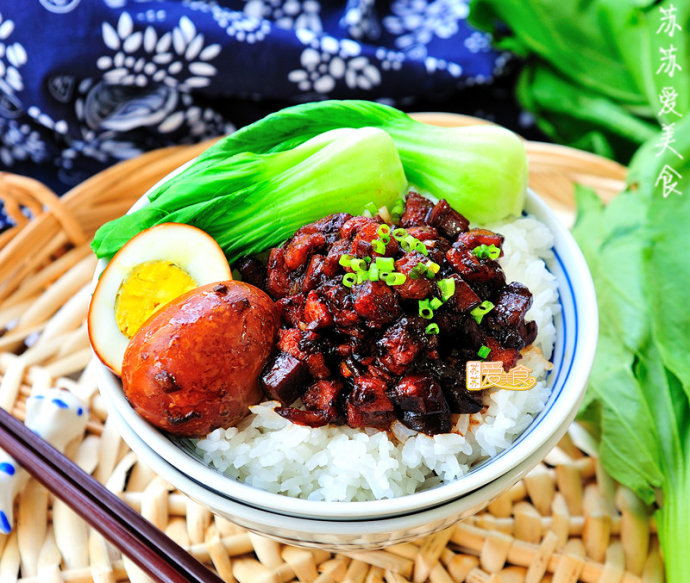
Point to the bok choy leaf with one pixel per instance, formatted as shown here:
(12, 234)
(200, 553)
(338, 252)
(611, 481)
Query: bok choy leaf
(480, 170)
(638, 399)
(249, 202)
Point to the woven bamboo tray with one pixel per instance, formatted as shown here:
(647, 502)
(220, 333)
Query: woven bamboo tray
(566, 521)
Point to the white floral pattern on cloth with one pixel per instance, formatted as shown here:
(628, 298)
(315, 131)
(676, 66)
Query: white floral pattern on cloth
(120, 77)
(286, 14)
(12, 58)
(110, 114)
(416, 23)
(237, 25)
(327, 60)
(20, 142)
(178, 58)
(360, 20)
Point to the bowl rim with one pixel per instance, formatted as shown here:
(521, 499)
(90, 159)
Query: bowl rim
(529, 441)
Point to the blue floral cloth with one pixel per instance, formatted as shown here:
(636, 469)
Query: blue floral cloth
(87, 83)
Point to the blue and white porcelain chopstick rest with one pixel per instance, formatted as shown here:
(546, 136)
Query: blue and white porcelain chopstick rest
(56, 415)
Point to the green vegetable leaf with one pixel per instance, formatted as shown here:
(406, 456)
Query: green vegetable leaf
(594, 70)
(480, 170)
(637, 401)
(339, 171)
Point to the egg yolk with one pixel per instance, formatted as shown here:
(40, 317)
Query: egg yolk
(148, 287)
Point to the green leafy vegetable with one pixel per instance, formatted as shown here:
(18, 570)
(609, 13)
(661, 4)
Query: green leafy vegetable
(638, 398)
(481, 170)
(249, 202)
(257, 186)
(590, 74)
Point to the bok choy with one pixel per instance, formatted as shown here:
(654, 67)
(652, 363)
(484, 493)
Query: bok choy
(249, 202)
(638, 399)
(480, 170)
(255, 187)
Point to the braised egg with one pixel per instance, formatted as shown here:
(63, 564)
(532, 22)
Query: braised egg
(149, 271)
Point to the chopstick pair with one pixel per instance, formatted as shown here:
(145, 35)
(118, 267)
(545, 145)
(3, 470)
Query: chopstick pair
(154, 552)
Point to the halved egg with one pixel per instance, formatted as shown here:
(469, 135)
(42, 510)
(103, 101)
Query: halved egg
(150, 270)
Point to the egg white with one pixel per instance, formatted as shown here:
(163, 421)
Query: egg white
(188, 247)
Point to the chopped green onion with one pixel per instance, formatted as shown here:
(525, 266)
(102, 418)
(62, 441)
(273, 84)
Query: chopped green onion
(371, 207)
(378, 246)
(425, 310)
(421, 248)
(349, 279)
(394, 278)
(385, 263)
(384, 230)
(418, 271)
(447, 287)
(367, 259)
(399, 234)
(408, 243)
(358, 264)
(483, 352)
(490, 251)
(432, 267)
(374, 272)
(362, 276)
(435, 303)
(345, 260)
(432, 328)
(397, 210)
(481, 310)
(385, 239)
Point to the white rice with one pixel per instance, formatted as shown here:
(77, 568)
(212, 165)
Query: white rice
(343, 464)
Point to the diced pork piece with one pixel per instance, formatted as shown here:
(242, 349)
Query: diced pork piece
(303, 345)
(508, 356)
(417, 209)
(460, 400)
(376, 303)
(361, 243)
(368, 404)
(450, 372)
(413, 289)
(284, 378)
(355, 224)
(472, 268)
(278, 282)
(420, 400)
(314, 274)
(507, 319)
(331, 265)
(323, 396)
(330, 226)
(528, 331)
(464, 299)
(298, 343)
(316, 312)
(301, 247)
(301, 417)
(401, 343)
(447, 220)
(340, 302)
(423, 233)
(291, 309)
(252, 271)
(475, 237)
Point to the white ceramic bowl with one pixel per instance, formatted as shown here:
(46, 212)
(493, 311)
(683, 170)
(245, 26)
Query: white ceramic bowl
(337, 535)
(576, 334)
(375, 523)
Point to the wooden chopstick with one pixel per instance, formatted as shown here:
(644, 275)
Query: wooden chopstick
(155, 553)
